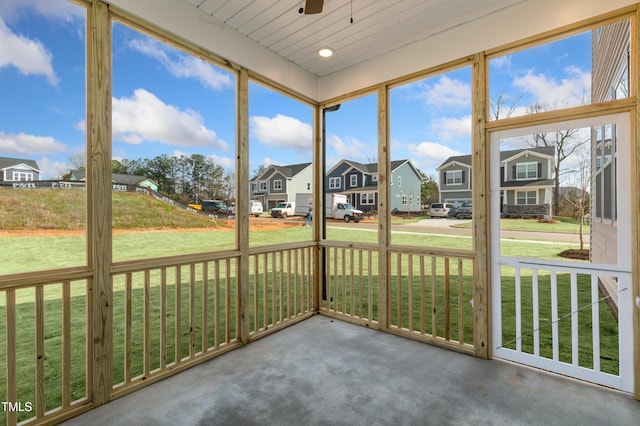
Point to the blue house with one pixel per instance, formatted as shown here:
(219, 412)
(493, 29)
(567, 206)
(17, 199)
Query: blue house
(360, 183)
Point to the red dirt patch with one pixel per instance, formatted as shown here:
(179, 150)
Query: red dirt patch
(255, 224)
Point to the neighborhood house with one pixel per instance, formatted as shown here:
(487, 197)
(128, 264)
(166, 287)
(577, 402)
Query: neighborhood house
(526, 181)
(19, 170)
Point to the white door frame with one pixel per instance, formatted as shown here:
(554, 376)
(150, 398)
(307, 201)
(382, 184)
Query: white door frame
(622, 271)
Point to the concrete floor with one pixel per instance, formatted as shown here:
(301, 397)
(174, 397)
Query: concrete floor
(327, 372)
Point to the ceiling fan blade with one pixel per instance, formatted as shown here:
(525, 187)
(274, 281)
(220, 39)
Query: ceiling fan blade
(313, 6)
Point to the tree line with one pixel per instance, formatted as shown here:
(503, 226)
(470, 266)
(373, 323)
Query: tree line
(184, 179)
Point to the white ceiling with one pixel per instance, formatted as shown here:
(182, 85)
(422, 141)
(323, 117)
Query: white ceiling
(379, 26)
(388, 39)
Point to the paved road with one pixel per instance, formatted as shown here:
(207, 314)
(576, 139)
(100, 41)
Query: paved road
(446, 226)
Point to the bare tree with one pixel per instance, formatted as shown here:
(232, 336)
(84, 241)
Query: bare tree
(565, 143)
(499, 109)
(577, 195)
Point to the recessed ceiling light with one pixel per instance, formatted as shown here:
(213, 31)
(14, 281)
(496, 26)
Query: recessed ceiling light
(325, 52)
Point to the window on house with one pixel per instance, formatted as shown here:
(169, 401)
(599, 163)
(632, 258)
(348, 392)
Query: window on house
(263, 185)
(374, 177)
(404, 200)
(399, 181)
(368, 198)
(353, 180)
(410, 200)
(22, 176)
(526, 171)
(308, 186)
(277, 185)
(527, 197)
(454, 177)
(334, 183)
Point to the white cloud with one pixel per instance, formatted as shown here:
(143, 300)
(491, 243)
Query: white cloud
(572, 90)
(226, 162)
(182, 65)
(24, 144)
(453, 128)
(29, 56)
(52, 169)
(501, 62)
(53, 9)
(144, 117)
(446, 93)
(351, 148)
(429, 155)
(281, 131)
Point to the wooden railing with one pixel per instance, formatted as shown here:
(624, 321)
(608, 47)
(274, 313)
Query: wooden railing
(168, 314)
(45, 341)
(281, 287)
(350, 282)
(430, 292)
(431, 296)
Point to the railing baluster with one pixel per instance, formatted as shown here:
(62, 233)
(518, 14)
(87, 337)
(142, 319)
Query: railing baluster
(204, 303)
(410, 288)
(434, 297)
(423, 299)
(447, 301)
(146, 352)
(574, 320)
(178, 318)
(460, 301)
(296, 273)
(265, 302)
(128, 301)
(360, 305)
(217, 312)
(66, 344)
(163, 318)
(40, 356)
(399, 289)
(12, 389)
(344, 281)
(554, 316)
(595, 319)
(518, 303)
(192, 308)
(227, 292)
(351, 273)
(370, 284)
(536, 312)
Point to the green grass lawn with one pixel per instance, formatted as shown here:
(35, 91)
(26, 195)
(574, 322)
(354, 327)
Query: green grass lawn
(29, 253)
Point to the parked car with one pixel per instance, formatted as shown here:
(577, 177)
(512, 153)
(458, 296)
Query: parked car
(440, 209)
(255, 208)
(284, 209)
(464, 211)
(215, 206)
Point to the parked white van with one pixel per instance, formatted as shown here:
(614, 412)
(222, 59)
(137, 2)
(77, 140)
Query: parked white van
(255, 208)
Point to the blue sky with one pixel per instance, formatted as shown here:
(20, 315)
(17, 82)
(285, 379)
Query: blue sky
(169, 102)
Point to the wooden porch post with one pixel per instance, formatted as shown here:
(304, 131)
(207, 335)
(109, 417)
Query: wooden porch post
(242, 202)
(384, 233)
(481, 213)
(634, 72)
(317, 171)
(100, 334)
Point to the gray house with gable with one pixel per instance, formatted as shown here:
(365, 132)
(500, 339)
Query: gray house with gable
(19, 170)
(526, 181)
(280, 183)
